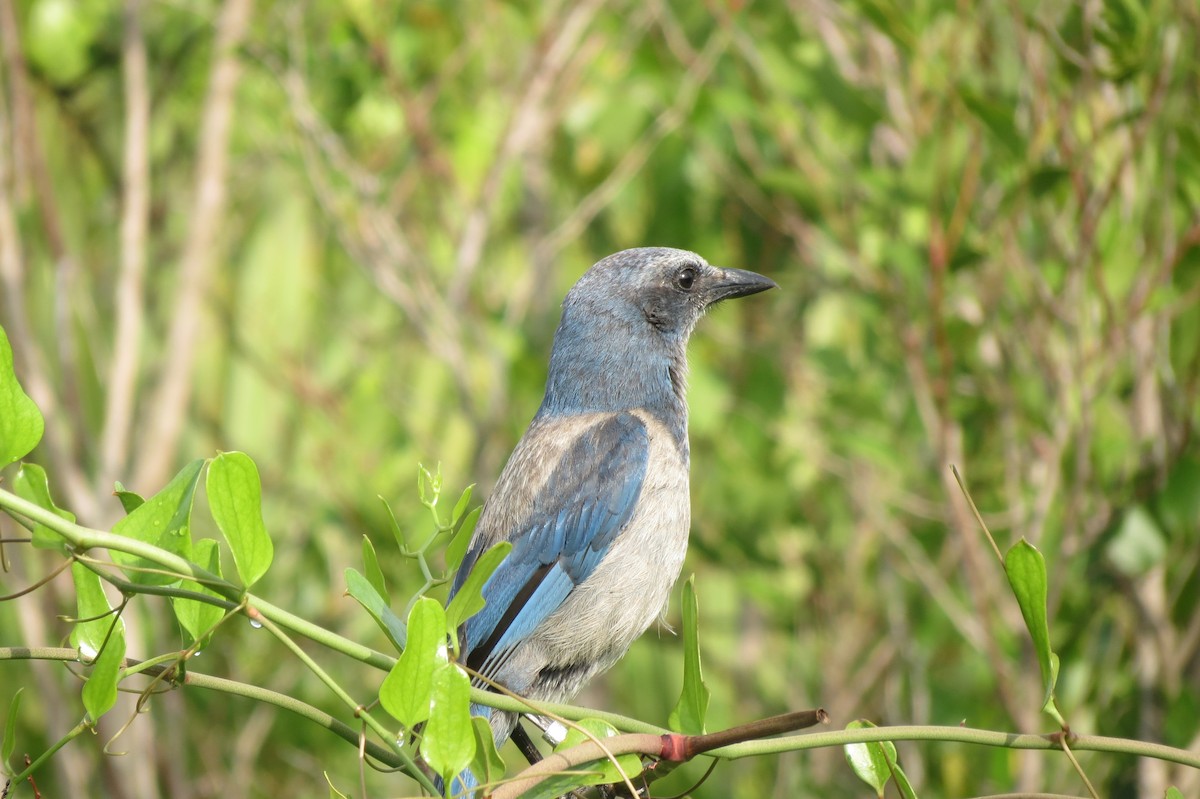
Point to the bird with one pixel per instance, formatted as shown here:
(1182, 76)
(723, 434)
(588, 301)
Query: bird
(595, 498)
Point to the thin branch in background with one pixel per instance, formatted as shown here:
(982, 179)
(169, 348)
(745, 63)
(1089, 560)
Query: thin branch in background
(31, 359)
(527, 120)
(666, 123)
(129, 310)
(169, 407)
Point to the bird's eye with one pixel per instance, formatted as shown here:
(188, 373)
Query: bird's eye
(685, 277)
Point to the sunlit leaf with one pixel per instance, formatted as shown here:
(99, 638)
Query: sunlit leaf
(407, 690)
(93, 612)
(100, 690)
(129, 500)
(456, 550)
(871, 761)
(21, 423)
(360, 588)
(692, 708)
(164, 521)
(1026, 570)
(194, 616)
(448, 742)
(469, 599)
(235, 498)
(373, 573)
(31, 484)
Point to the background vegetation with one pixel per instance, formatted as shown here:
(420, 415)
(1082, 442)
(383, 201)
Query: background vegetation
(335, 235)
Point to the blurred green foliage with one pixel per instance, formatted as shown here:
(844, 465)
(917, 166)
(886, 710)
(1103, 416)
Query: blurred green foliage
(986, 224)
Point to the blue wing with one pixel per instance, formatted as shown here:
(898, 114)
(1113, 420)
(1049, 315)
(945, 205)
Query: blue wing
(588, 499)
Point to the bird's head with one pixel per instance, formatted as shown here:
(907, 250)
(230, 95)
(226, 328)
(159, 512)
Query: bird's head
(625, 325)
(663, 290)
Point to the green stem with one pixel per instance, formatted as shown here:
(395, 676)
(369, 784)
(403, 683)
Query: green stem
(84, 538)
(1006, 740)
(49, 753)
(359, 710)
(195, 679)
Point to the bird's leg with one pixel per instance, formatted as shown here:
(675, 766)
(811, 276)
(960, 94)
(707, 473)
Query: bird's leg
(521, 738)
(553, 732)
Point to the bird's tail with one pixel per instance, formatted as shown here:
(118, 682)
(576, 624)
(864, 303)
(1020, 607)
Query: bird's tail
(463, 785)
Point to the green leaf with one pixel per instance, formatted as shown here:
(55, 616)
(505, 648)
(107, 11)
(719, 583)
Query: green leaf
(692, 708)
(235, 498)
(487, 765)
(21, 423)
(334, 793)
(374, 573)
(31, 484)
(129, 500)
(1026, 570)
(10, 731)
(196, 617)
(365, 594)
(456, 550)
(469, 599)
(99, 635)
(902, 782)
(164, 521)
(1138, 545)
(448, 742)
(100, 690)
(598, 772)
(408, 687)
(1173, 793)
(460, 507)
(871, 761)
(93, 611)
(997, 115)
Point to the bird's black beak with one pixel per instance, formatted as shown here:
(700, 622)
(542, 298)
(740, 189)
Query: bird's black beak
(730, 283)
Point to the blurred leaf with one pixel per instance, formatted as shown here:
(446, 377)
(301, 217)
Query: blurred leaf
(129, 500)
(1178, 504)
(9, 742)
(469, 599)
(997, 116)
(373, 572)
(31, 484)
(448, 742)
(408, 687)
(235, 499)
(59, 37)
(1045, 180)
(872, 761)
(888, 17)
(1026, 570)
(1173, 793)
(1138, 544)
(21, 423)
(334, 793)
(456, 550)
(692, 708)
(164, 521)
(194, 616)
(361, 589)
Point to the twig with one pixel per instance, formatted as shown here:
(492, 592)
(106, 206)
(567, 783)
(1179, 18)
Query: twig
(127, 339)
(195, 272)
